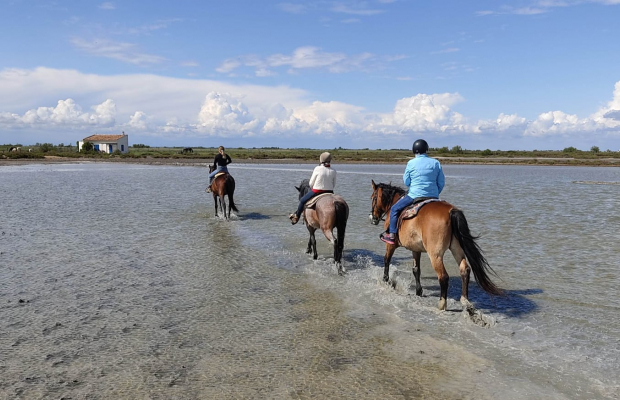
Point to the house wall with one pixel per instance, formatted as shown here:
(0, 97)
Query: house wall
(124, 141)
(121, 144)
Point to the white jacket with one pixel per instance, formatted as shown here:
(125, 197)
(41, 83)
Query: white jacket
(323, 178)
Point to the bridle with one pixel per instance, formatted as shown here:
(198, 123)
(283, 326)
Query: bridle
(374, 197)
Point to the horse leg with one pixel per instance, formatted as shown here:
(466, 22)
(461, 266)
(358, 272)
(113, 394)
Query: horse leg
(215, 201)
(389, 252)
(223, 204)
(442, 276)
(312, 243)
(464, 270)
(416, 272)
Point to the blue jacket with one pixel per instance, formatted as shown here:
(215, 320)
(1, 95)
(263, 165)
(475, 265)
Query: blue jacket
(424, 177)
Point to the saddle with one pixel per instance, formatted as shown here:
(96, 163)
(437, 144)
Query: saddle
(220, 174)
(312, 202)
(412, 210)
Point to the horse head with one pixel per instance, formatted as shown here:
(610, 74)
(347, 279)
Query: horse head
(382, 199)
(211, 168)
(304, 187)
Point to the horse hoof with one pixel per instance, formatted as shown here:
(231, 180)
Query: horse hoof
(418, 292)
(465, 301)
(442, 305)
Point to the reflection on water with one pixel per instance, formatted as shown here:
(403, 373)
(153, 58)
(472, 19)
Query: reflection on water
(116, 281)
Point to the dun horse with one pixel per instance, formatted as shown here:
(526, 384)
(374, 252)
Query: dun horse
(437, 227)
(223, 185)
(328, 212)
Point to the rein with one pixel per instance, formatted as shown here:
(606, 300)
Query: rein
(374, 203)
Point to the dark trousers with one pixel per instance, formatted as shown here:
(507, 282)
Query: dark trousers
(305, 198)
(400, 205)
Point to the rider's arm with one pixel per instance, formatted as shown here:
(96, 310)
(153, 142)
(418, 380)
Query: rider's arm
(228, 160)
(441, 179)
(315, 174)
(407, 175)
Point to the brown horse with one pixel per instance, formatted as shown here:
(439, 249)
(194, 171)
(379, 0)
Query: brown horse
(437, 227)
(329, 212)
(223, 185)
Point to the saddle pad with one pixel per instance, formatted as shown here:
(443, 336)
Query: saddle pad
(219, 174)
(412, 211)
(312, 202)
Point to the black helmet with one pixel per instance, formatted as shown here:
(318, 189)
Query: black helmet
(420, 146)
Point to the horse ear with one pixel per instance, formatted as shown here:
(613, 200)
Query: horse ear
(374, 185)
(298, 189)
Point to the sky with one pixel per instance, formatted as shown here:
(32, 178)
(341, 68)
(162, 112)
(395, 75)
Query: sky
(379, 74)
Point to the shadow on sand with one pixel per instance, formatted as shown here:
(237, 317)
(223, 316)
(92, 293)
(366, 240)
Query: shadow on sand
(514, 303)
(253, 216)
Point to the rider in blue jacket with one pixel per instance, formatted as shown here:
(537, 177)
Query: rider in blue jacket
(425, 179)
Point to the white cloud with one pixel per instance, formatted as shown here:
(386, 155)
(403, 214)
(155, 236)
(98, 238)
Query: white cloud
(171, 107)
(448, 50)
(293, 8)
(107, 6)
(124, 52)
(307, 57)
(355, 9)
(66, 114)
(225, 115)
(543, 6)
(138, 121)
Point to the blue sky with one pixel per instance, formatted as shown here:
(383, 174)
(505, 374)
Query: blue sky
(540, 74)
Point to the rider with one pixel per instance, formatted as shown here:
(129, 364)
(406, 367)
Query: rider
(323, 180)
(220, 162)
(425, 179)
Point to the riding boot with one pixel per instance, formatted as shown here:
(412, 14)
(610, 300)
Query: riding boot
(294, 218)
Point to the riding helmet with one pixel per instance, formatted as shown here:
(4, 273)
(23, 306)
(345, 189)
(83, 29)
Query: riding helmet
(325, 158)
(420, 146)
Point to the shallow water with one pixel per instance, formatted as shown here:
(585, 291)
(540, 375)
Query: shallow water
(117, 281)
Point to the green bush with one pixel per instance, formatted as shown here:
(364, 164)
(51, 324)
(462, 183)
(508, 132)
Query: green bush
(46, 147)
(88, 147)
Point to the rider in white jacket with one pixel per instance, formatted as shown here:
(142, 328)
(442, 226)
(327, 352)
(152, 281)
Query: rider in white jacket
(323, 180)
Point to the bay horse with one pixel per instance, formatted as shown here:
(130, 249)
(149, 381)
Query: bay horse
(437, 227)
(223, 185)
(329, 212)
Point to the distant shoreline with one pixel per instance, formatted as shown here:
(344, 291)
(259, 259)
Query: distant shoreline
(202, 162)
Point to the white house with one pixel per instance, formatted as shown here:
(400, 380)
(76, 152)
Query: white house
(108, 143)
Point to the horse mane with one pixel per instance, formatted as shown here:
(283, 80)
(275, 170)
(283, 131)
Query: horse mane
(389, 191)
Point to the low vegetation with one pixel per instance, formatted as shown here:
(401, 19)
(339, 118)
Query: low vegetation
(456, 154)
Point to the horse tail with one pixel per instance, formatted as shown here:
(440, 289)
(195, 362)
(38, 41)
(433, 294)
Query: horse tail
(479, 264)
(342, 214)
(230, 189)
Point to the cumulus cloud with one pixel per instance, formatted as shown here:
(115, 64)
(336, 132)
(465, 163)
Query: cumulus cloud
(225, 115)
(170, 107)
(66, 113)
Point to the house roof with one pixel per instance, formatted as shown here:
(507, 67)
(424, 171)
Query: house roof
(103, 138)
